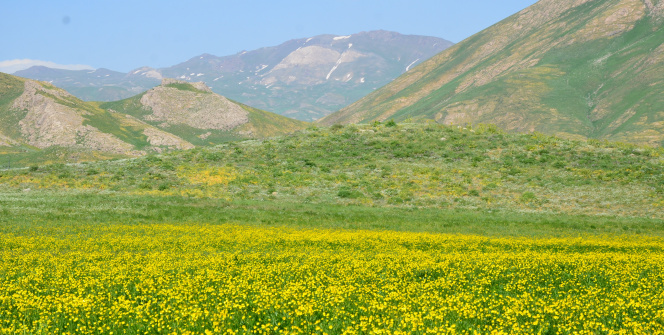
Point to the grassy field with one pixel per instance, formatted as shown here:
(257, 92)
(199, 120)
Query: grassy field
(474, 231)
(407, 166)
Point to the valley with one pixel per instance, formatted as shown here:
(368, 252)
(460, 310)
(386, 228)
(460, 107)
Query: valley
(512, 183)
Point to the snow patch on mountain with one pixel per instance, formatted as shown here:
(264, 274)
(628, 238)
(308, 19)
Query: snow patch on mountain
(411, 64)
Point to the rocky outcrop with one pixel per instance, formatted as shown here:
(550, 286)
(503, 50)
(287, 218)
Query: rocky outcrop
(159, 138)
(6, 141)
(199, 109)
(174, 116)
(51, 120)
(54, 117)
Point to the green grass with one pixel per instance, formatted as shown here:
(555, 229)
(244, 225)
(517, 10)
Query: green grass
(23, 210)
(131, 106)
(24, 156)
(186, 87)
(403, 166)
(10, 89)
(113, 124)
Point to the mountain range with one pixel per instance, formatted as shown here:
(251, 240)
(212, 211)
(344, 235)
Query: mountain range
(582, 69)
(576, 68)
(305, 78)
(174, 115)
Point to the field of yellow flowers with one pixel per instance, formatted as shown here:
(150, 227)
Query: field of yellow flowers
(119, 278)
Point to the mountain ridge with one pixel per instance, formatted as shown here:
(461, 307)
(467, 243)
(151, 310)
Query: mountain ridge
(580, 69)
(304, 78)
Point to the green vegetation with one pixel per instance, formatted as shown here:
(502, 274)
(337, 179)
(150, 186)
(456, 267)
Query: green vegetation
(186, 87)
(10, 88)
(131, 106)
(404, 166)
(24, 156)
(115, 124)
(24, 209)
(265, 124)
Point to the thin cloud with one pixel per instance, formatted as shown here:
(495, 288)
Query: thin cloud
(11, 66)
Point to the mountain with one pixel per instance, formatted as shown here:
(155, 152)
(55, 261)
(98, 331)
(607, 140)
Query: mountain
(13, 65)
(96, 85)
(305, 78)
(582, 68)
(36, 115)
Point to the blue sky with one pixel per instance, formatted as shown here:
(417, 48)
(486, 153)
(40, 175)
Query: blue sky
(122, 35)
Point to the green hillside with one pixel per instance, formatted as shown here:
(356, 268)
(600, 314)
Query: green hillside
(578, 69)
(10, 88)
(409, 166)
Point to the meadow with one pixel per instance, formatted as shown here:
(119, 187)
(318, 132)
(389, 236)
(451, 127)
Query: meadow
(383, 165)
(409, 229)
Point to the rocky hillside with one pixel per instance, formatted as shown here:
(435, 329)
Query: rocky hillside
(578, 68)
(305, 78)
(193, 112)
(39, 115)
(175, 115)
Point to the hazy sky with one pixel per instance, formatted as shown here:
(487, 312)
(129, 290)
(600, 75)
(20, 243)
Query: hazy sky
(122, 35)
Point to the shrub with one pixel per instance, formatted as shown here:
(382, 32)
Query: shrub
(347, 192)
(145, 186)
(377, 196)
(559, 164)
(308, 162)
(528, 197)
(336, 127)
